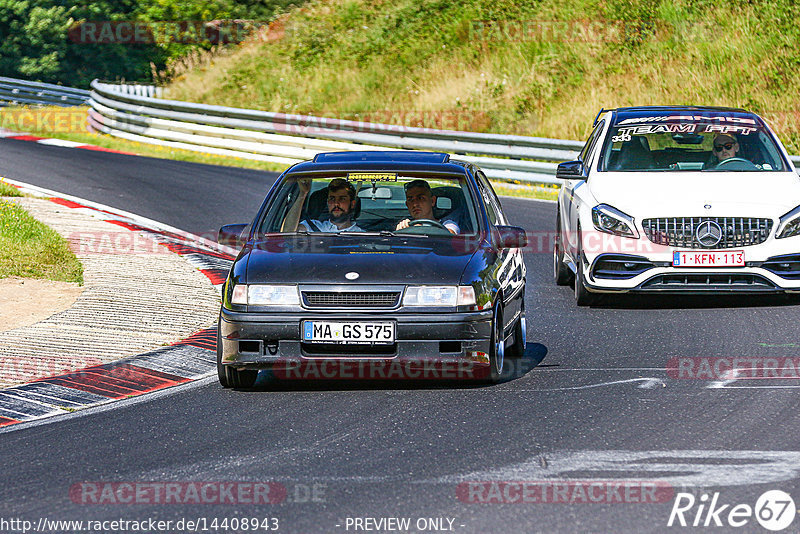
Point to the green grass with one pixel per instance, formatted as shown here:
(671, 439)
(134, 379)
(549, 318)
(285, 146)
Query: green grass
(7, 190)
(30, 249)
(524, 191)
(540, 68)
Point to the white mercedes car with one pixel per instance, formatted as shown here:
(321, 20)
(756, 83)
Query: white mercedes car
(678, 199)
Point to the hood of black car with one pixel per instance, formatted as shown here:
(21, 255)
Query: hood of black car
(377, 260)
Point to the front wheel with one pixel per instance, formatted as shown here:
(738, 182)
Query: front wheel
(561, 273)
(583, 297)
(241, 379)
(230, 377)
(517, 350)
(222, 375)
(497, 349)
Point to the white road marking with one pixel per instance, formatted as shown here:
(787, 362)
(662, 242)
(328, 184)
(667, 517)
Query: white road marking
(560, 369)
(60, 142)
(647, 383)
(731, 468)
(725, 384)
(717, 384)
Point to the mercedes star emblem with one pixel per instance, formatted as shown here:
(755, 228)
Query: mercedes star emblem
(708, 233)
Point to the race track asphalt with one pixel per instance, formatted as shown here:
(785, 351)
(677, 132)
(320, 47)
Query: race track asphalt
(590, 401)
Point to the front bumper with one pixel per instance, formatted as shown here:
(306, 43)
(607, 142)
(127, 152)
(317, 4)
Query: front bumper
(263, 341)
(654, 273)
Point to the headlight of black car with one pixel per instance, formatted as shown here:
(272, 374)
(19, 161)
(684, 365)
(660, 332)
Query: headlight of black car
(266, 295)
(445, 296)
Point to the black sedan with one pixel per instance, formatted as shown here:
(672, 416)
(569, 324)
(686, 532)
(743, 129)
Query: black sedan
(378, 265)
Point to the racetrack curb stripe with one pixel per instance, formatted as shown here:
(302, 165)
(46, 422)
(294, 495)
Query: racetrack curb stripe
(184, 361)
(161, 369)
(52, 141)
(117, 381)
(26, 137)
(67, 203)
(103, 149)
(204, 339)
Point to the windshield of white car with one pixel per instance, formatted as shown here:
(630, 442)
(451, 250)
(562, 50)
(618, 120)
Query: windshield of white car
(688, 143)
(301, 205)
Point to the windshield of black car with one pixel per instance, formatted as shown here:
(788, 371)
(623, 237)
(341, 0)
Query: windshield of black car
(325, 204)
(691, 143)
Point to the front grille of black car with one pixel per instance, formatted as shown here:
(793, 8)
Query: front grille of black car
(351, 299)
(682, 231)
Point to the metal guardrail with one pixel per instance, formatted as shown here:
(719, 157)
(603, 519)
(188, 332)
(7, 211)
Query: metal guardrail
(286, 139)
(22, 92)
(137, 112)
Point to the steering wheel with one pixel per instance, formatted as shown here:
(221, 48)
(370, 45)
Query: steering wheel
(737, 164)
(427, 222)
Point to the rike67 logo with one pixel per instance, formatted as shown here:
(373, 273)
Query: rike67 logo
(774, 510)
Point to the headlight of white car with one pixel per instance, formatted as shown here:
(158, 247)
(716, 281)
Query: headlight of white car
(439, 296)
(789, 224)
(266, 295)
(612, 221)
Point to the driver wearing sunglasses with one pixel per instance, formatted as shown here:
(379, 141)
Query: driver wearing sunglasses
(725, 147)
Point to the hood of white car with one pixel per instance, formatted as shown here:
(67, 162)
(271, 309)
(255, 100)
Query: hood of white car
(686, 194)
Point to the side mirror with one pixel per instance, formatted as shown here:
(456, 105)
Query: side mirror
(511, 237)
(231, 235)
(570, 170)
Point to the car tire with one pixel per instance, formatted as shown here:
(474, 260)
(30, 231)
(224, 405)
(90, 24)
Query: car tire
(517, 350)
(561, 273)
(221, 371)
(241, 379)
(497, 348)
(230, 377)
(583, 297)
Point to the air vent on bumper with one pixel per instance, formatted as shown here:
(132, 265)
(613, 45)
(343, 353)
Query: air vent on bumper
(620, 266)
(787, 266)
(708, 282)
